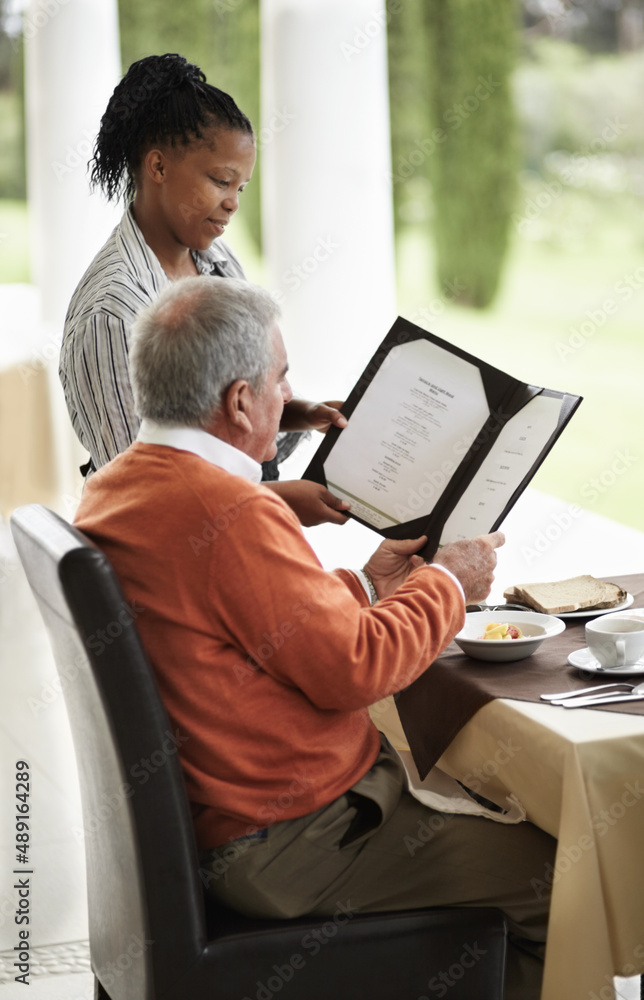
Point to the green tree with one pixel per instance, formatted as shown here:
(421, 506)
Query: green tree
(410, 113)
(472, 45)
(12, 100)
(220, 36)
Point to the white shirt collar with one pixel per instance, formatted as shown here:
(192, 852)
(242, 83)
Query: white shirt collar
(203, 444)
(140, 258)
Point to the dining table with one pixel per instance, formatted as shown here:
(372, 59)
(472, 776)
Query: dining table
(577, 773)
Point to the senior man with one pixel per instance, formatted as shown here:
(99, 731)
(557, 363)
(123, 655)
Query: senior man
(267, 663)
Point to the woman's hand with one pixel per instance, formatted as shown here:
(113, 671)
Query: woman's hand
(313, 503)
(303, 415)
(392, 562)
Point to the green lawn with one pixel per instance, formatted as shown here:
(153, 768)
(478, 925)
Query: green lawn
(14, 241)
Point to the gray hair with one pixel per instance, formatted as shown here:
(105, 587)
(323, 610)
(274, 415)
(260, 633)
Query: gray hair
(188, 347)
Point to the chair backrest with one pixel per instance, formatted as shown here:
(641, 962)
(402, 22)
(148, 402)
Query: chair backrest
(141, 856)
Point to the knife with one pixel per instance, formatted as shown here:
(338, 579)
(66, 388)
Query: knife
(608, 699)
(586, 692)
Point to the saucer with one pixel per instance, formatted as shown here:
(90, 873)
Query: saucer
(584, 660)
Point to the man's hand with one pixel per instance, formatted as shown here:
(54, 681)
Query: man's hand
(472, 561)
(392, 562)
(312, 502)
(302, 415)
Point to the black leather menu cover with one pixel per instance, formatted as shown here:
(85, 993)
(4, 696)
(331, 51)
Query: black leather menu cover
(505, 395)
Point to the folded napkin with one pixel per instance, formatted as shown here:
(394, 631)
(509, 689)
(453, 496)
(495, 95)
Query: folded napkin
(439, 791)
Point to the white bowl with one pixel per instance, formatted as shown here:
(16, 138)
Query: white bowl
(535, 627)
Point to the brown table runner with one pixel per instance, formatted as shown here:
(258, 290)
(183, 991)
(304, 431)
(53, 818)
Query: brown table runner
(435, 707)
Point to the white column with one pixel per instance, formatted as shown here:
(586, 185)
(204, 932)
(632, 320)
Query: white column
(72, 64)
(326, 190)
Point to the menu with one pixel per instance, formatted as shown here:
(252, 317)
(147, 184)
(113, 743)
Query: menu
(438, 442)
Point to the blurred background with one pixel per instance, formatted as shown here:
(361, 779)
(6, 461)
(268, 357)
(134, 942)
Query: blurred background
(517, 172)
(476, 166)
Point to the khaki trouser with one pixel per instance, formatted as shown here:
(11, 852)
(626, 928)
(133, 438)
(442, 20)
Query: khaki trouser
(378, 848)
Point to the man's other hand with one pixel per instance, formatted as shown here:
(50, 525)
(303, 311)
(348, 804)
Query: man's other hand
(392, 562)
(312, 502)
(472, 561)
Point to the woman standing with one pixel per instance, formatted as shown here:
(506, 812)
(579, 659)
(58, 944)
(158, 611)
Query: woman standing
(182, 152)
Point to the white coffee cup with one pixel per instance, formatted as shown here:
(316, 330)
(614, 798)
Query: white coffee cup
(616, 640)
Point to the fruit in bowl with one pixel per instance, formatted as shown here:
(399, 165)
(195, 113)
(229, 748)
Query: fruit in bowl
(477, 639)
(493, 630)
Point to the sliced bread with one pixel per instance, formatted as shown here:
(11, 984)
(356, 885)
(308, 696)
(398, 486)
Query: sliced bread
(563, 596)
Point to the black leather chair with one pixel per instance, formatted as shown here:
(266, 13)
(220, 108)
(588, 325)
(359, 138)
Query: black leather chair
(153, 936)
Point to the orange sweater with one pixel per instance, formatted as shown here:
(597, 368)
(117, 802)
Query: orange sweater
(265, 662)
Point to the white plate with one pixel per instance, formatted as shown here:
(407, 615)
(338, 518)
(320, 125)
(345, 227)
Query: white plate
(535, 627)
(584, 660)
(593, 613)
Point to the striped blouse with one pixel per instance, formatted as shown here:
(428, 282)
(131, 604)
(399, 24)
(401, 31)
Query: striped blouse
(124, 277)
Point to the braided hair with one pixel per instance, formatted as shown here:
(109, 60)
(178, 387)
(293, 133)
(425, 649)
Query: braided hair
(161, 99)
